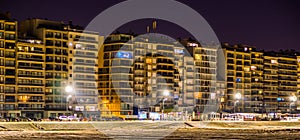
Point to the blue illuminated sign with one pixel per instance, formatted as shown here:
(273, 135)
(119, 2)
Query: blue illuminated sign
(123, 55)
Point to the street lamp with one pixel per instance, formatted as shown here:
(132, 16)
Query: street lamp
(165, 93)
(69, 90)
(293, 99)
(237, 97)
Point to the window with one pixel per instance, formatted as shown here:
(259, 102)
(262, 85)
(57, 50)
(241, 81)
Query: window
(1, 35)
(274, 62)
(253, 67)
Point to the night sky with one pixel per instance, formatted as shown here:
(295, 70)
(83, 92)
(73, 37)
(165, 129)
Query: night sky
(268, 24)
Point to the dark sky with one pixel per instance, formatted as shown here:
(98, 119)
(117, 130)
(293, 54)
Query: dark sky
(268, 24)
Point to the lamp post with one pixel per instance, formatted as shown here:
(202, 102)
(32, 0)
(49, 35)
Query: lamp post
(237, 97)
(166, 93)
(293, 99)
(69, 90)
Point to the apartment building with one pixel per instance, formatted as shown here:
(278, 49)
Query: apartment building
(280, 81)
(116, 76)
(8, 96)
(70, 61)
(30, 77)
(146, 75)
(204, 75)
(241, 77)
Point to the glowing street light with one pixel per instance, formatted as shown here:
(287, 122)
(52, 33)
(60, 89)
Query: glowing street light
(69, 89)
(237, 97)
(165, 93)
(293, 99)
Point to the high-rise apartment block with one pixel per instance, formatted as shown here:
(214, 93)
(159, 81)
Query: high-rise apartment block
(68, 59)
(266, 81)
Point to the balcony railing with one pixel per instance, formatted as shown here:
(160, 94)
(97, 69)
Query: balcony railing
(29, 108)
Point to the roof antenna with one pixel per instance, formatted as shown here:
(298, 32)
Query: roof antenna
(148, 29)
(154, 25)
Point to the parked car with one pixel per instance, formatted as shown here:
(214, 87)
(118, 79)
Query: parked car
(72, 118)
(63, 118)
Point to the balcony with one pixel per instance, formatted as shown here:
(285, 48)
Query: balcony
(56, 109)
(30, 92)
(85, 71)
(58, 61)
(10, 56)
(10, 82)
(10, 100)
(10, 91)
(30, 67)
(49, 52)
(10, 65)
(31, 59)
(31, 84)
(35, 100)
(58, 36)
(13, 29)
(49, 101)
(30, 108)
(35, 76)
(49, 43)
(87, 102)
(64, 61)
(49, 85)
(49, 68)
(58, 52)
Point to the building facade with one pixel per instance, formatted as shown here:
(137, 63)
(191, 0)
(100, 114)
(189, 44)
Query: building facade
(266, 81)
(70, 61)
(30, 77)
(8, 95)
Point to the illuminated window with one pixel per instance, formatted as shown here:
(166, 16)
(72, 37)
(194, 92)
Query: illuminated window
(253, 67)
(274, 61)
(193, 44)
(148, 60)
(197, 56)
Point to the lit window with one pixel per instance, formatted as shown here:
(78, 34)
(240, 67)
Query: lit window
(78, 46)
(193, 44)
(274, 61)
(197, 56)
(253, 67)
(148, 60)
